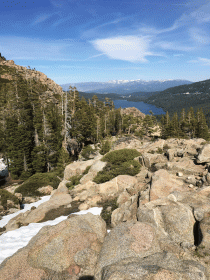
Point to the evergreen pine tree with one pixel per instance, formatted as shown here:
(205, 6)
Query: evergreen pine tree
(202, 128)
(166, 126)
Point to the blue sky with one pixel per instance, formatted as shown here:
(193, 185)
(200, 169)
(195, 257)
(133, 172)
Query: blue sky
(100, 40)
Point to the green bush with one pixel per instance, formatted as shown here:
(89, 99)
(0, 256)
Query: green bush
(120, 162)
(86, 170)
(74, 181)
(106, 213)
(30, 186)
(159, 150)
(87, 151)
(139, 133)
(111, 171)
(5, 195)
(119, 156)
(105, 147)
(166, 147)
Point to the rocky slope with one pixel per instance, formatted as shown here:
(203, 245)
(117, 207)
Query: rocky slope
(28, 74)
(160, 228)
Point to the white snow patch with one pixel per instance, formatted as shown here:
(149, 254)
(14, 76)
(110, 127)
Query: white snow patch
(27, 207)
(12, 241)
(3, 168)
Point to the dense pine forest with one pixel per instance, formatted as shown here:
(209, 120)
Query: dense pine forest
(196, 95)
(42, 129)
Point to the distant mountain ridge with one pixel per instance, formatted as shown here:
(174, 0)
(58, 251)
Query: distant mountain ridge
(125, 86)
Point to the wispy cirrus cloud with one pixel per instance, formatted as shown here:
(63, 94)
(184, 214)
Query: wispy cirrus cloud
(62, 20)
(178, 55)
(175, 46)
(202, 13)
(186, 34)
(199, 35)
(42, 18)
(201, 60)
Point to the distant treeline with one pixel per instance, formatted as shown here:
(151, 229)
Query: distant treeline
(187, 125)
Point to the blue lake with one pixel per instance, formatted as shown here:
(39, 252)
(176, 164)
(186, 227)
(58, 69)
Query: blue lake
(141, 106)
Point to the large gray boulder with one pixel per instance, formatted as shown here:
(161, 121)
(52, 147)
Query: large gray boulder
(148, 159)
(126, 212)
(172, 219)
(127, 240)
(160, 266)
(65, 251)
(187, 166)
(163, 183)
(204, 154)
(97, 166)
(132, 251)
(117, 185)
(76, 168)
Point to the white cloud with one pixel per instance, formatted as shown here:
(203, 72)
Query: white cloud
(201, 60)
(97, 55)
(173, 46)
(178, 55)
(202, 14)
(199, 35)
(129, 48)
(42, 18)
(62, 20)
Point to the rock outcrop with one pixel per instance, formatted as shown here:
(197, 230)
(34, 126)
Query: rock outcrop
(65, 251)
(31, 74)
(160, 228)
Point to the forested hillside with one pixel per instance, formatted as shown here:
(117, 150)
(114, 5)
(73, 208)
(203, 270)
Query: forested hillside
(30, 131)
(196, 95)
(43, 128)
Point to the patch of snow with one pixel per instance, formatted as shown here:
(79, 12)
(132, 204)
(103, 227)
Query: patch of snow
(12, 241)
(3, 168)
(27, 207)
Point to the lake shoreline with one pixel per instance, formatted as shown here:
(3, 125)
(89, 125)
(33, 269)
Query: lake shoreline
(140, 105)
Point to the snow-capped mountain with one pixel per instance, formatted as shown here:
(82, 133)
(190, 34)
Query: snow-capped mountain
(125, 86)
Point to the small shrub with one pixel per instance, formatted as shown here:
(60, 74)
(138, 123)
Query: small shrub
(119, 156)
(25, 175)
(139, 133)
(30, 186)
(86, 170)
(120, 162)
(5, 195)
(105, 213)
(74, 181)
(105, 147)
(87, 151)
(151, 152)
(159, 150)
(166, 147)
